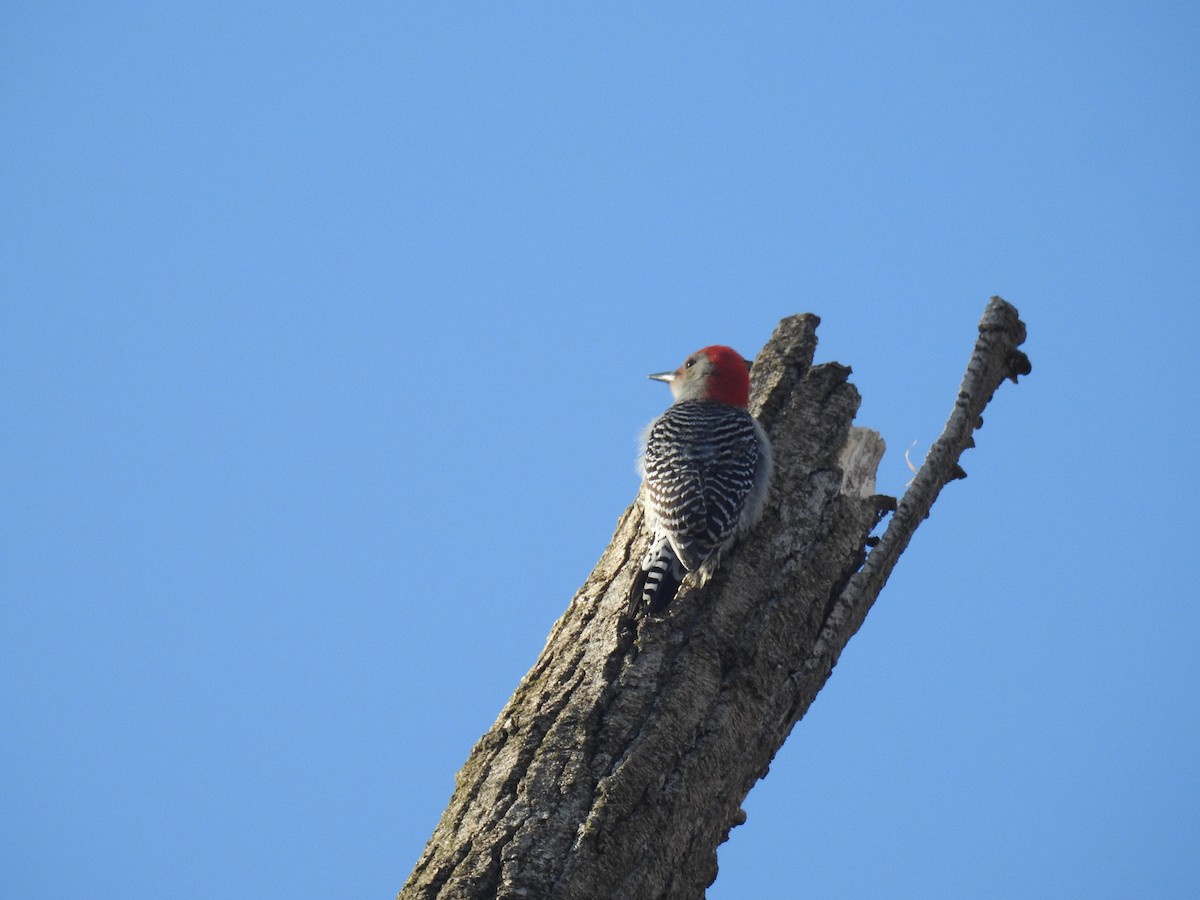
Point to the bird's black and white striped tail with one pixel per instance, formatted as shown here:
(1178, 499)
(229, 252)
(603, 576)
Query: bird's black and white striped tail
(657, 584)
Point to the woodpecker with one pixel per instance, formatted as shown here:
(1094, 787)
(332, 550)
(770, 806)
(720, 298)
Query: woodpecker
(706, 467)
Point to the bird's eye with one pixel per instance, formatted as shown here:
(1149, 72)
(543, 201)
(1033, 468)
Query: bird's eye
(691, 362)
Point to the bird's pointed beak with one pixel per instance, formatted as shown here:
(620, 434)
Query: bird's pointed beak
(668, 377)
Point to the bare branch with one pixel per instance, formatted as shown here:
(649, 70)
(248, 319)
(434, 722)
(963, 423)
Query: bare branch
(996, 357)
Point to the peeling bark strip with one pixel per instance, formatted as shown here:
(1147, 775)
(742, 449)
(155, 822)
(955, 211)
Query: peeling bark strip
(622, 759)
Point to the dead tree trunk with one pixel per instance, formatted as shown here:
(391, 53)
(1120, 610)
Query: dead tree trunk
(621, 762)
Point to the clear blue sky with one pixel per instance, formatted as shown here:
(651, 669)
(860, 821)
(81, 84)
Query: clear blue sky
(323, 339)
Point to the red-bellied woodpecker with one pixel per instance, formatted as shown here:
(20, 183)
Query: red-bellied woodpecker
(706, 466)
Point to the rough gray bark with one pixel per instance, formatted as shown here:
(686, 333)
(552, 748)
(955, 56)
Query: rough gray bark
(621, 761)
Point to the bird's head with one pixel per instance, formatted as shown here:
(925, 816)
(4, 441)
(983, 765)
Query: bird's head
(715, 373)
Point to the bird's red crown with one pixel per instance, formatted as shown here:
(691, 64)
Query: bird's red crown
(729, 380)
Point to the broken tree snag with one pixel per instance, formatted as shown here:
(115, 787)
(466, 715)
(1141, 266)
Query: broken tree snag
(621, 761)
